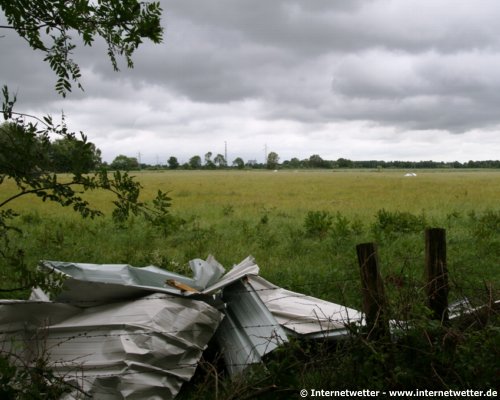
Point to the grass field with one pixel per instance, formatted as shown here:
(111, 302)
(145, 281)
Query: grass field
(232, 214)
(355, 192)
(302, 228)
(352, 193)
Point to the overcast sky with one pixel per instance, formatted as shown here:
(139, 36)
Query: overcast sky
(359, 79)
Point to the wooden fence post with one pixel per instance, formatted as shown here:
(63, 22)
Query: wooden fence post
(436, 273)
(372, 290)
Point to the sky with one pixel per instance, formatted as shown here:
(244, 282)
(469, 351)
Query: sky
(358, 79)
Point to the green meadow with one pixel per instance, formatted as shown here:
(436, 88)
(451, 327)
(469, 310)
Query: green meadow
(359, 192)
(353, 193)
(301, 226)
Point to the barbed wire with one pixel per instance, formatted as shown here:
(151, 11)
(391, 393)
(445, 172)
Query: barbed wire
(82, 373)
(322, 322)
(405, 281)
(154, 296)
(85, 334)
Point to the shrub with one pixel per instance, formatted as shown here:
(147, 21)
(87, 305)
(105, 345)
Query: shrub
(397, 222)
(487, 225)
(318, 223)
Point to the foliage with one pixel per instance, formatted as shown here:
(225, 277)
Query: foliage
(318, 223)
(238, 163)
(69, 154)
(124, 163)
(487, 225)
(220, 161)
(34, 380)
(47, 26)
(315, 161)
(209, 164)
(29, 159)
(195, 162)
(272, 160)
(25, 159)
(173, 163)
(398, 222)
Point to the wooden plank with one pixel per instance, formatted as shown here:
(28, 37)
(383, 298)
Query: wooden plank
(181, 286)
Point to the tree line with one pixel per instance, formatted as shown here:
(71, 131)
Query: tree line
(315, 161)
(67, 153)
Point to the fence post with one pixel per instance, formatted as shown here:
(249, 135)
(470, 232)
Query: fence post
(372, 290)
(436, 273)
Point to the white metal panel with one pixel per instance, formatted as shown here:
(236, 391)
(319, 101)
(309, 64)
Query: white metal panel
(128, 349)
(303, 314)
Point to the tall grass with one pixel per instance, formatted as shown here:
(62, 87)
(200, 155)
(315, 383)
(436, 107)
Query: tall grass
(232, 214)
(302, 228)
(361, 192)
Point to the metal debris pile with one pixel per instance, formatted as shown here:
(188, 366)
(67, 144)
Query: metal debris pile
(116, 331)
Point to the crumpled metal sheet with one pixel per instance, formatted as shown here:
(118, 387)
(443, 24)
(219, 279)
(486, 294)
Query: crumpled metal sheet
(143, 348)
(249, 330)
(304, 315)
(123, 332)
(91, 284)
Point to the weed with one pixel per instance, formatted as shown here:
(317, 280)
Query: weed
(228, 210)
(32, 218)
(318, 223)
(487, 225)
(398, 222)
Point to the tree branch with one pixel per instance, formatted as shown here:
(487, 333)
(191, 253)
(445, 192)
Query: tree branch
(30, 116)
(15, 289)
(35, 28)
(32, 191)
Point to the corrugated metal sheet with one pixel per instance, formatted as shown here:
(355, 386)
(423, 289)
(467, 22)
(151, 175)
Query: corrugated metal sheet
(123, 332)
(144, 348)
(249, 330)
(88, 284)
(304, 315)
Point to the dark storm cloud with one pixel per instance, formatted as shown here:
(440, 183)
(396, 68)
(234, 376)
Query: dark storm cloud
(292, 73)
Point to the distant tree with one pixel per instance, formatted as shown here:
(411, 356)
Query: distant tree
(209, 164)
(344, 163)
(220, 161)
(173, 163)
(195, 162)
(295, 163)
(70, 154)
(272, 160)
(124, 163)
(315, 161)
(239, 163)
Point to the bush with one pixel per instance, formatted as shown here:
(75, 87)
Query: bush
(318, 223)
(35, 381)
(398, 222)
(487, 225)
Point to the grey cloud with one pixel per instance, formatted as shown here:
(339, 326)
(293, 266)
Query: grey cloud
(318, 26)
(405, 66)
(427, 91)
